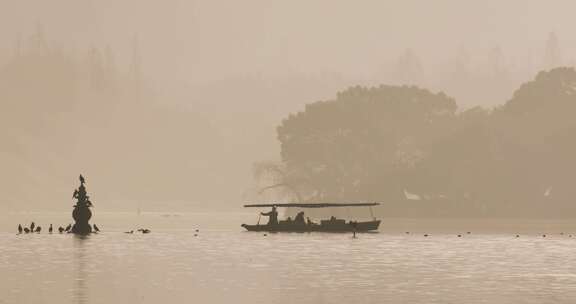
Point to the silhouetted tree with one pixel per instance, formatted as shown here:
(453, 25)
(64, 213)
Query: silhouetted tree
(380, 143)
(536, 142)
(361, 145)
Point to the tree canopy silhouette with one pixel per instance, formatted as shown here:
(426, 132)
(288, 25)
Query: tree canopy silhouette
(342, 148)
(420, 155)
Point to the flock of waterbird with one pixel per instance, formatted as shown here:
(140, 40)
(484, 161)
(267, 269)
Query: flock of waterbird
(517, 235)
(33, 228)
(37, 228)
(144, 231)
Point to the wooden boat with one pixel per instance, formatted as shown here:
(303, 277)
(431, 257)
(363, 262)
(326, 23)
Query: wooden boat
(300, 225)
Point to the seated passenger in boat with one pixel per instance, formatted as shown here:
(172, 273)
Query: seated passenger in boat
(299, 219)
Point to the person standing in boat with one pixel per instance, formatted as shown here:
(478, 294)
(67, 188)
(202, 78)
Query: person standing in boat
(273, 216)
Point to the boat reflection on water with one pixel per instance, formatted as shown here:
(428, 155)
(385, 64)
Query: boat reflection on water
(299, 224)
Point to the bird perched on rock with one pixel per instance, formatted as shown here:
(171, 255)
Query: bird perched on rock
(96, 228)
(50, 229)
(26, 230)
(82, 180)
(32, 225)
(60, 229)
(68, 227)
(19, 228)
(38, 229)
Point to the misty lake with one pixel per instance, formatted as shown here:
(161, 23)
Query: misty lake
(223, 264)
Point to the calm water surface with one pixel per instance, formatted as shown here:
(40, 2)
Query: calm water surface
(223, 264)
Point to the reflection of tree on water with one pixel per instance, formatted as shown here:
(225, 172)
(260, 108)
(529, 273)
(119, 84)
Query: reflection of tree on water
(80, 287)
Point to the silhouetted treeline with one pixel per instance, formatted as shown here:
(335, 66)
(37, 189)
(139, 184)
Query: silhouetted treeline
(418, 154)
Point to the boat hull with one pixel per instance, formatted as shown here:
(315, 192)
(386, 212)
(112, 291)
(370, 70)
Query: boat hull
(335, 227)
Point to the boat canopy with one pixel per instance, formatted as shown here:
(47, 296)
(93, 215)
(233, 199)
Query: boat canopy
(315, 205)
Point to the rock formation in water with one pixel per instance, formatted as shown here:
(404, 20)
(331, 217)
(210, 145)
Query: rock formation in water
(81, 212)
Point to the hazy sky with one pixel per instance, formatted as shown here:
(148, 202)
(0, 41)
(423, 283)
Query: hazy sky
(245, 65)
(189, 40)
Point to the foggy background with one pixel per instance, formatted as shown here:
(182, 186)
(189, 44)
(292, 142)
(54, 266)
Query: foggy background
(167, 105)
